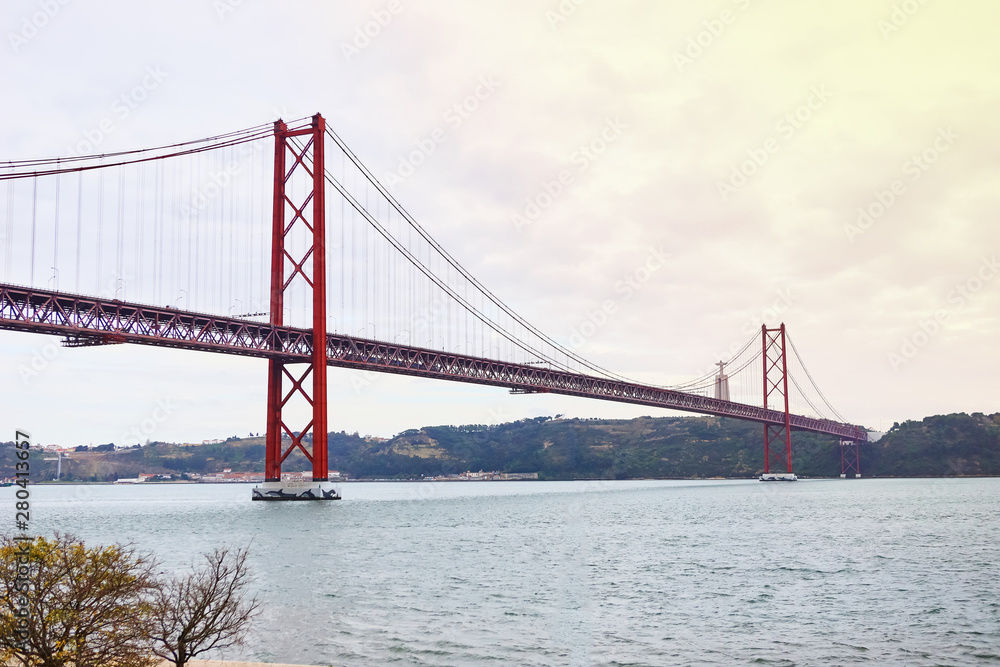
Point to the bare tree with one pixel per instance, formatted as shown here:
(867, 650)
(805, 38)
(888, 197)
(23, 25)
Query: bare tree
(65, 604)
(204, 610)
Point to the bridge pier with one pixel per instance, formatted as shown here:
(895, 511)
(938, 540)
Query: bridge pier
(294, 491)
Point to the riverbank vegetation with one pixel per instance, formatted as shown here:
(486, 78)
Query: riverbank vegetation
(666, 447)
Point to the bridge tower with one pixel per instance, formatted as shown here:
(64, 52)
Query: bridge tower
(850, 458)
(777, 437)
(298, 211)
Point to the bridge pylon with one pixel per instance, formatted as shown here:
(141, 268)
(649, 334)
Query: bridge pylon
(777, 437)
(300, 212)
(850, 459)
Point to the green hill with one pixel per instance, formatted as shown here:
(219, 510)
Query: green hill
(666, 447)
(939, 446)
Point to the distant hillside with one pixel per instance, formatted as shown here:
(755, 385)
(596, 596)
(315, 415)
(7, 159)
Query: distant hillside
(666, 447)
(939, 446)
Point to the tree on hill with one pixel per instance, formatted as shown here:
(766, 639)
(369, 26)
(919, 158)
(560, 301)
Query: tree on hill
(668, 447)
(941, 445)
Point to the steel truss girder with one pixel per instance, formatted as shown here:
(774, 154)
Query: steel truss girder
(46, 312)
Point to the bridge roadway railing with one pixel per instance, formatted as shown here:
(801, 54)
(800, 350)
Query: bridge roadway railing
(97, 321)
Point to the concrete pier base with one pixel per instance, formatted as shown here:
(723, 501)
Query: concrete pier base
(295, 491)
(778, 477)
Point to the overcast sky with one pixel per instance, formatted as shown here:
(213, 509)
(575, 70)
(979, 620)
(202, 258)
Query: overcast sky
(830, 166)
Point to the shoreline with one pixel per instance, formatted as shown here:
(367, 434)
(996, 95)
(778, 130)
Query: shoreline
(479, 481)
(227, 663)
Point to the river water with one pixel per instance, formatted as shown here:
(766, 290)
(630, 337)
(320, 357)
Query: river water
(825, 572)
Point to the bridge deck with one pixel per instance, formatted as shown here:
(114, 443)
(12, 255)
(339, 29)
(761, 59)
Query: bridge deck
(103, 321)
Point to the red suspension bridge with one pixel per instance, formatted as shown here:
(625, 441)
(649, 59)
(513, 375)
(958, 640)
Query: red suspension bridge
(214, 226)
